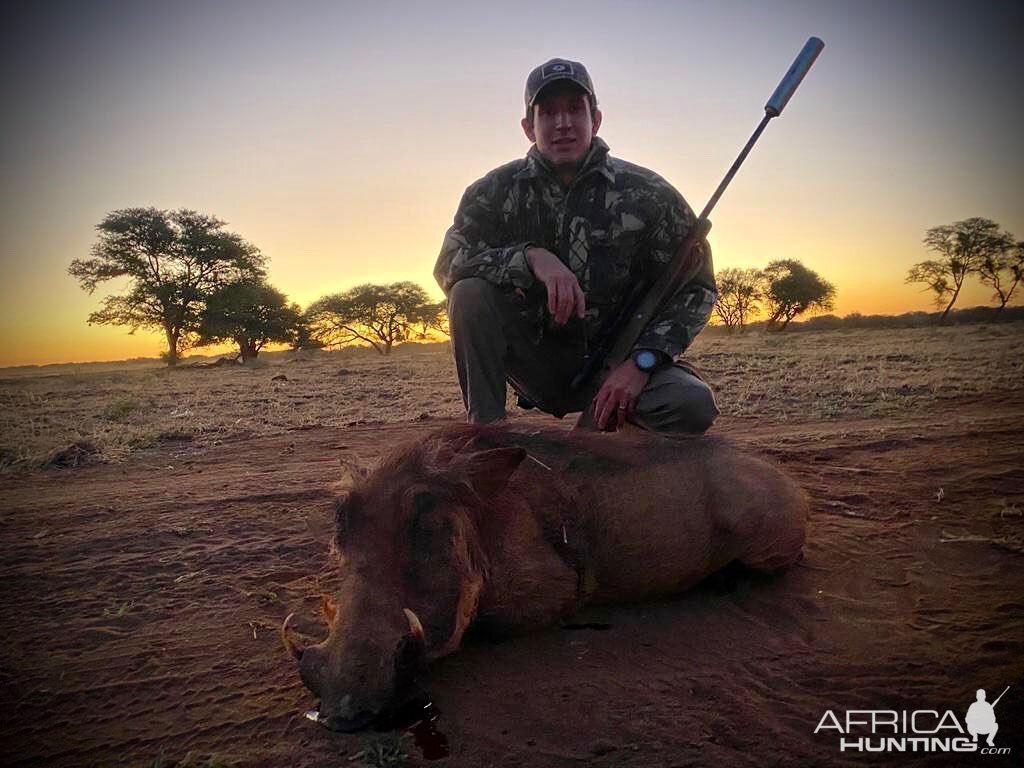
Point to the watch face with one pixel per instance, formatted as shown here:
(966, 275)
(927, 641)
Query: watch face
(645, 360)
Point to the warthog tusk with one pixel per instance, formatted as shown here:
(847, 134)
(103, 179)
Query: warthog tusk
(292, 647)
(414, 624)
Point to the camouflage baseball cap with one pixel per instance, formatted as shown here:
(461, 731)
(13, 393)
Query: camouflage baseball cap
(557, 69)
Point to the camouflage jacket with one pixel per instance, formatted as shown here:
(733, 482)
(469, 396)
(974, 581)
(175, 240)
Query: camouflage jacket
(617, 224)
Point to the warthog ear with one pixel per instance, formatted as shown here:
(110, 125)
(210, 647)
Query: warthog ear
(352, 472)
(489, 471)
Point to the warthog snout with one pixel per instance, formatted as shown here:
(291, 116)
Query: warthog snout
(345, 716)
(358, 677)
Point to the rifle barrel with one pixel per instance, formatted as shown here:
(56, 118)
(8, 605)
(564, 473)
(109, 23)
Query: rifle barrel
(683, 268)
(736, 165)
(794, 76)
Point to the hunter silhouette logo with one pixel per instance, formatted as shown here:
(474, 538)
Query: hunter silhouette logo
(981, 717)
(917, 730)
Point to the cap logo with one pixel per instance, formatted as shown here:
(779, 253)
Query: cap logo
(556, 69)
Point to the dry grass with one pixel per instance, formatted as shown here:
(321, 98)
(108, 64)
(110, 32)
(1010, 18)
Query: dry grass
(867, 373)
(81, 414)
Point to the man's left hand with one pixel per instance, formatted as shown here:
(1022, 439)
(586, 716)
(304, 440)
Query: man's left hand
(616, 400)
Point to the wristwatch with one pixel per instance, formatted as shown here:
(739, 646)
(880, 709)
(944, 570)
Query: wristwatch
(646, 360)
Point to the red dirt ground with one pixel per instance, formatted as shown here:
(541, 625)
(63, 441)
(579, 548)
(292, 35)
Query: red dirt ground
(139, 604)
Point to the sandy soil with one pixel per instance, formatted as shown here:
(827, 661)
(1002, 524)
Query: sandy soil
(139, 604)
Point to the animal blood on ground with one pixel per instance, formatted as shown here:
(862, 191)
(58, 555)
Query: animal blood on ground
(419, 718)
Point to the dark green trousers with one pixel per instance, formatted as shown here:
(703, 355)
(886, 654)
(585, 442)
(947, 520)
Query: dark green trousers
(494, 344)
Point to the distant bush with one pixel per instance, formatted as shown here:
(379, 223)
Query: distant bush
(905, 320)
(824, 322)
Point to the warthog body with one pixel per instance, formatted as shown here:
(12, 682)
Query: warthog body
(518, 530)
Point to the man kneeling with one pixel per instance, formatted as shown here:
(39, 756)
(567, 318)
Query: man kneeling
(544, 250)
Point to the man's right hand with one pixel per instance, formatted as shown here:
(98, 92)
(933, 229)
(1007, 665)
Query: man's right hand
(564, 292)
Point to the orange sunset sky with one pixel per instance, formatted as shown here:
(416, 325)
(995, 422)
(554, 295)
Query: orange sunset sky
(338, 137)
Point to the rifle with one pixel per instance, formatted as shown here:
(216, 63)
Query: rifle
(612, 349)
(999, 697)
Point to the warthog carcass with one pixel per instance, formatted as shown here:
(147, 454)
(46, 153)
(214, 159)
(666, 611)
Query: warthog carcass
(519, 529)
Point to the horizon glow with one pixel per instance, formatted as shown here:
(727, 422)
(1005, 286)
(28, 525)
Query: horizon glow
(338, 139)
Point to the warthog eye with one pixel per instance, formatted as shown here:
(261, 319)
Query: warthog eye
(422, 502)
(431, 530)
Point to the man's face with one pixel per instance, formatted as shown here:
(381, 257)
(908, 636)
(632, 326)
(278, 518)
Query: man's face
(562, 125)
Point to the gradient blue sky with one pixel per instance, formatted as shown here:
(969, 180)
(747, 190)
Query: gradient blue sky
(338, 137)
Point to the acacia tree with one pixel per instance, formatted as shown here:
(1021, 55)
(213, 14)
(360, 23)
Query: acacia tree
(173, 260)
(251, 314)
(304, 337)
(1003, 271)
(431, 317)
(792, 289)
(739, 293)
(963, 247)
(380, 315)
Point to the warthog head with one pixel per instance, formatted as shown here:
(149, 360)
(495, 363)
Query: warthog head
(412, 569)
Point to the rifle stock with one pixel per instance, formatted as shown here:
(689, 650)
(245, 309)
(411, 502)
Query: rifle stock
(685, 266)
(681, 270)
